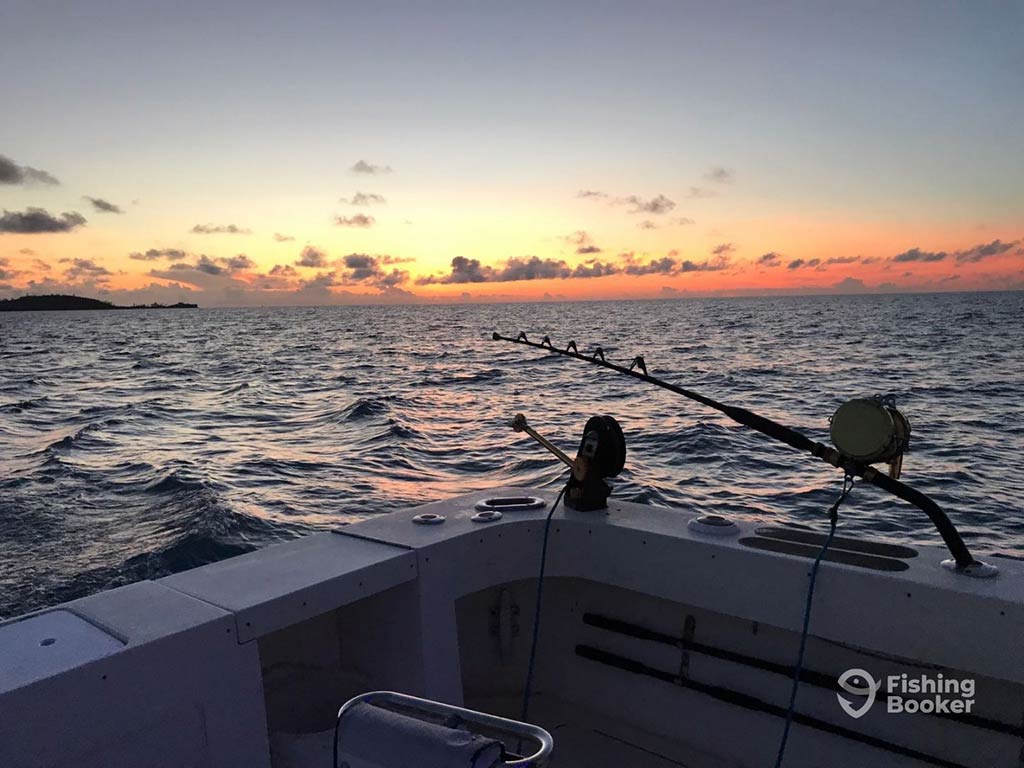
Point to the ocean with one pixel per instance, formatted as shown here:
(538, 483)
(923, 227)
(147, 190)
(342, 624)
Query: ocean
(140, 443)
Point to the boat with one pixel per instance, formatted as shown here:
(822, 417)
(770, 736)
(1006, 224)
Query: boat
(538, 628)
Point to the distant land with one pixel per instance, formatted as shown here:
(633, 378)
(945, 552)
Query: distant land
(56, 302)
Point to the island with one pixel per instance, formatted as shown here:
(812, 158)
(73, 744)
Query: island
(55, 302)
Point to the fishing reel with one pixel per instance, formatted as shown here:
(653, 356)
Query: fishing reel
(871, 431)
(602, 454)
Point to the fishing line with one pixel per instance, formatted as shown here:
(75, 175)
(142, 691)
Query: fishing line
(833, 517)
(536, 614)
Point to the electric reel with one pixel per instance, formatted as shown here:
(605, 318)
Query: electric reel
(871, 431)
(602, 454)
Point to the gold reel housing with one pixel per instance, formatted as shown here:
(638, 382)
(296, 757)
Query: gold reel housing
(871, 431)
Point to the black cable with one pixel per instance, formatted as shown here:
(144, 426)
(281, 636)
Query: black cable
(536, 615)
(833, 517)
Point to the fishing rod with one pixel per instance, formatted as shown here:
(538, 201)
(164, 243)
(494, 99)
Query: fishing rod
(856, 461)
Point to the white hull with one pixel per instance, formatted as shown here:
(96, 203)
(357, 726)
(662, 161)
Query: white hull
(225, 664)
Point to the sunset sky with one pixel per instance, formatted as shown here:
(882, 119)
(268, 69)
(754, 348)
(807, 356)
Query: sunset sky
(297, 153)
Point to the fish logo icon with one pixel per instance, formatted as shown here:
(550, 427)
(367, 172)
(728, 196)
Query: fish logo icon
(860, 683)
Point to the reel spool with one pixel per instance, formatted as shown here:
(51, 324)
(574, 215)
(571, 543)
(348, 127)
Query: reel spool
(602, 453)
(871, 431)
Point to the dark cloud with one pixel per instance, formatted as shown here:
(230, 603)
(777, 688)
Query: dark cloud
(583, 241)
(843, 260)
(364, 269)
(41, 265)
(365, 198)
(37, 221)
(103, 206)
(215, 229)
(591, 193)
(396, 259)
(368, 168)
(716, 264)
(312, 257)
(471, 271)
(984, 251)
(916, 254)
(658, 205)
(595, 269)
(88, 269)
(218, 266)
(647, 224)
(12, 173)
(5, 272)
(284, 270)
(770, 259)
(723, 249)
(663, 266)
(279, 238)
(720, 175)
(359, 220)
(155, 254)
(803, 263)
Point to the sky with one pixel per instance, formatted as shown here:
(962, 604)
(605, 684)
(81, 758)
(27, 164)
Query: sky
(313, 153)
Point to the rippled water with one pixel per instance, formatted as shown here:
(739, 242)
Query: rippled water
(135, 444)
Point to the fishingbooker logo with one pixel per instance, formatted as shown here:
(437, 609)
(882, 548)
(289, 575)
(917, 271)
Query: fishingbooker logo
(928, 694)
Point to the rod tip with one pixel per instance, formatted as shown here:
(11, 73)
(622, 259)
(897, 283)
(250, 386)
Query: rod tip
(495, 336)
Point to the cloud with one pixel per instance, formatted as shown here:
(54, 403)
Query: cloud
(396, 259)
(88, 269)
(284, 270)
(209, 266)
(12, 173)
(359, 220)
(312, 257)
(843, 260)
(647, 224)
(365, 198)
(464, 270)
(720, 175)
(374, 170)
(699, 193)
(683, 221)
(103, 206)
(916, 254)
(362, 268)
(279, 238)
(984, 251)
(851, 285)
(5, 272)
(214, 229)
(663, 266)
(41, 265)
(591, 193)
(583, 241)
(155, 254)
(658, 205)
(803, 263)
(27, 252)
(595, 269)
(770, 259)
(37, 220)
(723, 249)
(716, 264)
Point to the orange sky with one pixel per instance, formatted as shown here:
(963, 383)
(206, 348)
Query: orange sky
(452, 151)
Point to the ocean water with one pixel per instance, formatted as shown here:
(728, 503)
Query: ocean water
(136, 444)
